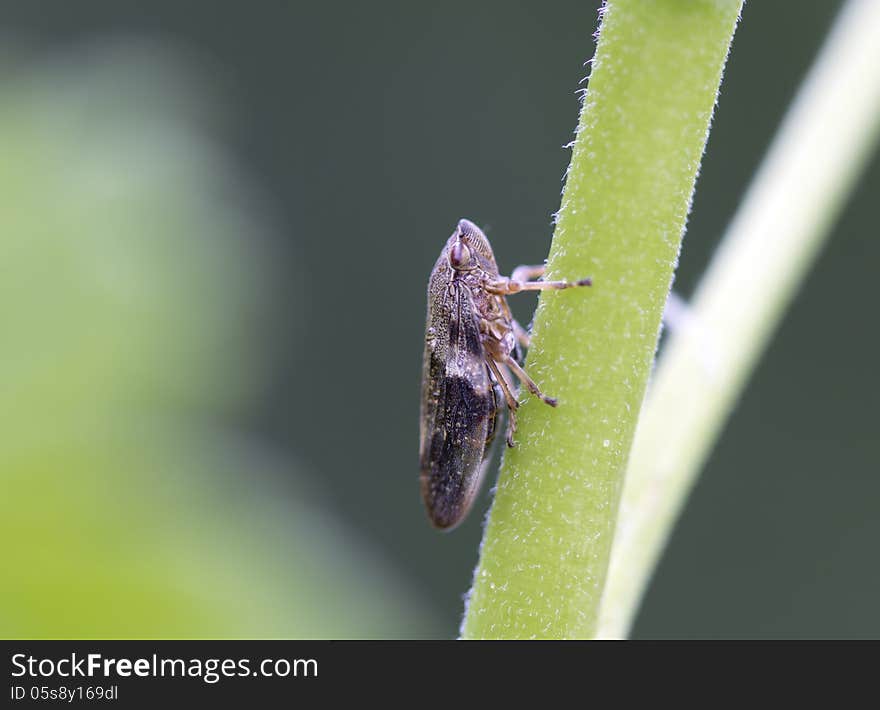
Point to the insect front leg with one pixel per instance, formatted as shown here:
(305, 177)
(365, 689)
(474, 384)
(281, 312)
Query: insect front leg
(504, 286)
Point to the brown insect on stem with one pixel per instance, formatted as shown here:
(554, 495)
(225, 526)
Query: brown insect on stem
(469, 364)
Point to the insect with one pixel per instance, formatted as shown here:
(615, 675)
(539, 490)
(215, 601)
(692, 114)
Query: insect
(472, 351)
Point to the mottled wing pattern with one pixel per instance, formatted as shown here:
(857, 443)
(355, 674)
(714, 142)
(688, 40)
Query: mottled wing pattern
(458, 403)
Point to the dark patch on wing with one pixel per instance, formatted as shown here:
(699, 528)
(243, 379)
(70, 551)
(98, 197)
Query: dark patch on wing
(451, 465)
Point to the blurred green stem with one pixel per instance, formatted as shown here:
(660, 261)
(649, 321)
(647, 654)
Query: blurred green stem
(812, 166)
(640, 139)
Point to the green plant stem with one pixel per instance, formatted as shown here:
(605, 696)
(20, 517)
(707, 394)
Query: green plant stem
(812, 165)
(640, 139)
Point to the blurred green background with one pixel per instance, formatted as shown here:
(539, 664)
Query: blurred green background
(216, 226)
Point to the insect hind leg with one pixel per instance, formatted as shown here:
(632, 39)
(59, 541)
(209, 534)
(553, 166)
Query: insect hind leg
(523, 377)
(509, 396)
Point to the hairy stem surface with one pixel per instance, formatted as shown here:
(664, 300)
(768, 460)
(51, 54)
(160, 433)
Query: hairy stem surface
(640, 139)
(771, 243)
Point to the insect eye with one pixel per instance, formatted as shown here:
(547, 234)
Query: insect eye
(459, 255)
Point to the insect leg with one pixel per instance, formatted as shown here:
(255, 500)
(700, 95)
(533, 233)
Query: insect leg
(505, 287)
(528, 381)
(522, 335)
(527, 273)
(512, 404)
(505, 385)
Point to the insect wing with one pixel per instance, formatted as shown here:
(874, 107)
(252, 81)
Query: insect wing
(458, 403)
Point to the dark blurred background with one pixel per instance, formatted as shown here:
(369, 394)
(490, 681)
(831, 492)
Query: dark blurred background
(356, 135)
